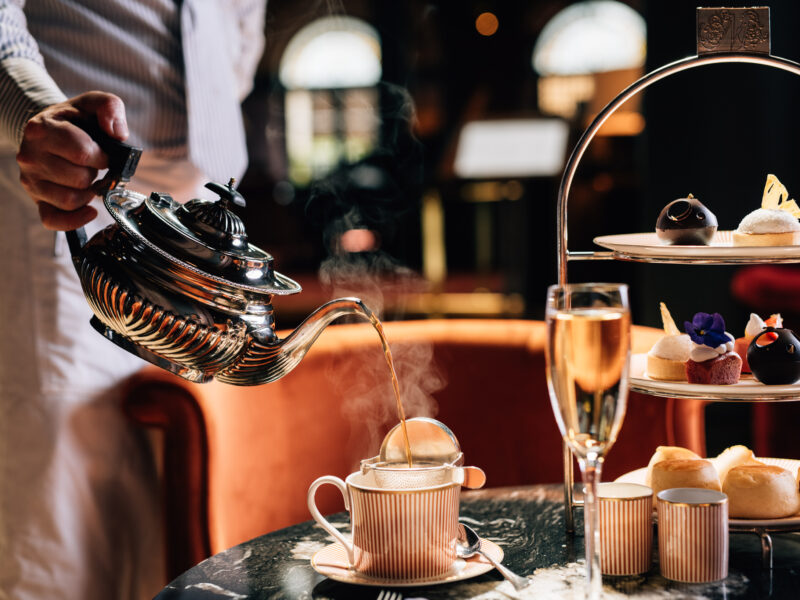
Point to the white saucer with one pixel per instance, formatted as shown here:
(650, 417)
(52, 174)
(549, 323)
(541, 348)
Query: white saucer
(644, 246)
(748, 387)
(331, 561)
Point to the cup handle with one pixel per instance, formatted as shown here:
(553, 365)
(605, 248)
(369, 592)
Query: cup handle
(323, 522)
(471, 478)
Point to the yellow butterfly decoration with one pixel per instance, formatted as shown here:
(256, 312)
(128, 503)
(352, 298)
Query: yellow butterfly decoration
(775, 197)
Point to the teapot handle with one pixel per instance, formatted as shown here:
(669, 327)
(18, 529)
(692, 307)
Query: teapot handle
(76, 240)
(122, 158)
(122, 162)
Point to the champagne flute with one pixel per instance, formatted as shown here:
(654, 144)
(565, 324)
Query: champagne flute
(588, 356)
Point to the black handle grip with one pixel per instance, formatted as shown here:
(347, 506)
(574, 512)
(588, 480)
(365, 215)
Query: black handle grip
(122, 158)
(76, 239)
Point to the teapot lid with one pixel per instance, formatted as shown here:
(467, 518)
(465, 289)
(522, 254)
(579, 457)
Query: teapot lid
(203, 236)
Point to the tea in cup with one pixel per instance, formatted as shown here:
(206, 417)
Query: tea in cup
(404, 527)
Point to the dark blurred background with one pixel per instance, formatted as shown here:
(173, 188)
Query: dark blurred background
(411, 152)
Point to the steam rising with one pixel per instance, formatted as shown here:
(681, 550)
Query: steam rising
(373, 197)
(368, 398)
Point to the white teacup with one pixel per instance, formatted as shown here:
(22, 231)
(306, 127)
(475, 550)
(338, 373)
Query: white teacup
(398, 533)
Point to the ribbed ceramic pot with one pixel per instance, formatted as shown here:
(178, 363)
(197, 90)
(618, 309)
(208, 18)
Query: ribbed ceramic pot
(625, 512)
(693, 534)
(397, 533)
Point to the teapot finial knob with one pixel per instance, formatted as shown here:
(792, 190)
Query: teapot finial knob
(227, 193)
(215, 219)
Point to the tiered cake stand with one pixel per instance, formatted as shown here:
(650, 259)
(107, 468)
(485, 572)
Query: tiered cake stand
(724, 35)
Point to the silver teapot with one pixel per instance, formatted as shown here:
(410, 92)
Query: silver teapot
(180, 286)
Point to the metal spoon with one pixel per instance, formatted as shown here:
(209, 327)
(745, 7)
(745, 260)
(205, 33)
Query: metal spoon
(469, 544)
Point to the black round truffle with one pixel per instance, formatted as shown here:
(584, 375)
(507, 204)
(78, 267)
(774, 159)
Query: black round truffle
(777, 362)
(686, 221)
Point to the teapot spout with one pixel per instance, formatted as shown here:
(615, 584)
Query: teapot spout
(301, 339)
(269, 360)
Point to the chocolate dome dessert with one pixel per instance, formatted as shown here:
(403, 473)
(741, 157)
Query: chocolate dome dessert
(777, 362)
(686, 221)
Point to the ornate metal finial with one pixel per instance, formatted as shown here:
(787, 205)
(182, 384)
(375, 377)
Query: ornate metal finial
(214, 220)
(733, 30)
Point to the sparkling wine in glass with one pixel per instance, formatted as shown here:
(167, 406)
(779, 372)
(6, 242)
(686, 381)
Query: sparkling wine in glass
(588, 357)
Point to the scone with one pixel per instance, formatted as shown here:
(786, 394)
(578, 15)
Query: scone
(761, 492)
(683, 473)
(663, 453)
(774, 224)
(666, 360)
(733, 457)
(711, 359)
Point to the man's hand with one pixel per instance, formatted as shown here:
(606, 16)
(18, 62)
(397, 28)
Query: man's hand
(58, 161)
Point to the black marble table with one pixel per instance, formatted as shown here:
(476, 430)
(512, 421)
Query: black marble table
(528, 523)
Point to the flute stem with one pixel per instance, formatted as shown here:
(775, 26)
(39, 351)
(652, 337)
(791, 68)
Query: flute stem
(590, 469)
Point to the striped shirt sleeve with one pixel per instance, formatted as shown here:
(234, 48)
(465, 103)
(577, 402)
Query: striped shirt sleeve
(25, 85)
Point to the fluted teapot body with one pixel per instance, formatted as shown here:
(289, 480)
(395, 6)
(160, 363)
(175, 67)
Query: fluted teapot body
(180, 286)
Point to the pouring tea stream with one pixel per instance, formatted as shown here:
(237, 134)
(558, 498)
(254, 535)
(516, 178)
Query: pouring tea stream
(180, 286)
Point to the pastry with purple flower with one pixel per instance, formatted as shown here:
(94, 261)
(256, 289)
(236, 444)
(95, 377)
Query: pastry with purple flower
(711, 359)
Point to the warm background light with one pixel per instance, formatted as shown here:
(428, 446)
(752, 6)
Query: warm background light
(486, 24)
(358, 240)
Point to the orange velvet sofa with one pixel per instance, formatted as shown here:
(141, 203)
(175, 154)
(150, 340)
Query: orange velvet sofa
(237, 461)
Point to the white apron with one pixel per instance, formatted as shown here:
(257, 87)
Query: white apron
(80, 516)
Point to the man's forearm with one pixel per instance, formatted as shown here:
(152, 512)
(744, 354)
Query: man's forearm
(25, 89)
(25, 86)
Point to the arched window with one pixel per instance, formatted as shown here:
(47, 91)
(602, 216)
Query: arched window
(591, 37)
(330, 69)
(587, 53)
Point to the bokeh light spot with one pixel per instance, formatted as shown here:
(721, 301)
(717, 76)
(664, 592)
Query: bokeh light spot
(487, 24)
(359, 240)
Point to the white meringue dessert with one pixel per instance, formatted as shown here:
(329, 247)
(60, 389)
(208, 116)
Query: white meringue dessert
(767, 227)
(667, 358)
(775, 223)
